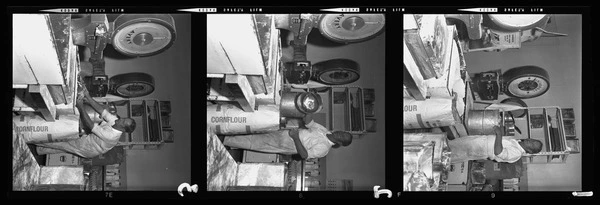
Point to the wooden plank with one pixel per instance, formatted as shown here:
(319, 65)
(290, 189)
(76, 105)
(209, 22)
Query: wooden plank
(43, 101)
(273, 80)
(435, 37)
(34, 43)
(239, 86)
(19, 86)
(443, 86)
(451, 132)
(417, 50)
(274, 56)
(215, 75)
(238, 37)
(412, 78)
(269, 39)
(461, 129)
(264, 26)
(278, 85)
(219, 91)
(23, 101)
(72, 71)
(70, 87)
(257, 83)
(57, 93)
(61, 33)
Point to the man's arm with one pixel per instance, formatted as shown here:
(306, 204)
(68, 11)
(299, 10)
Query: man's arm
(295, 135)
(498, 142)
(85, 118)
(306, 119)
(97, 106)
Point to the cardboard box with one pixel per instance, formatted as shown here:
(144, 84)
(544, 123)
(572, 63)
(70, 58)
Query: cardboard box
(495, 170)
(457, 187)
(62, 159)
(252, 156)
(458, 173)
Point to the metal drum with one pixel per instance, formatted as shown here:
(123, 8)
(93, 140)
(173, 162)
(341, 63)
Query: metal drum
(509, 125)
(297, 105)
(482, 122)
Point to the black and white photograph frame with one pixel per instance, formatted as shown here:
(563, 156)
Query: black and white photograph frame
(78, 74)
(274, 74)
(482, 84)
(277, 74)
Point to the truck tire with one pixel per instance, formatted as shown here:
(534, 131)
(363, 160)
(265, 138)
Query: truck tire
(130, 85)
(512, 23)
(351, 28)
(518, 102)
(143, 34)
(526, 82)
(336, 72)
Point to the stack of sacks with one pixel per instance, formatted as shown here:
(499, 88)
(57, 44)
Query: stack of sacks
(433, 112)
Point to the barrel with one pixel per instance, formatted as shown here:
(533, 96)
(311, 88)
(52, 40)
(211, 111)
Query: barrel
(293, 104)
(509, 125)
(482, 122)
(228, 119)
(34, 129)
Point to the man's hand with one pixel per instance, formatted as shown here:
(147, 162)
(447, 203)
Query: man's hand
(79, 101)
(307, 118)
(80, 92)
(86, 93)
(498, 142)
(294, 134)
(498, 130)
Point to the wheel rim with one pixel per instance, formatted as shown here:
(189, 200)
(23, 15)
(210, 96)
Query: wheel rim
(142, 38)
(339, 76)
(309, 103)
(353, 23)
(518, 102)
(528, 86)
(521, 20)
(351, 27)
(135, 89)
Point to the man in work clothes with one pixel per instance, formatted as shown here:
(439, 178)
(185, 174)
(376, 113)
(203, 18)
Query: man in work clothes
(486, 147)
(98, 138)
(312, 141)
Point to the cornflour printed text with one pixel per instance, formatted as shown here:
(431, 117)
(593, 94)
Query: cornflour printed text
(228, 119)
(410, 108)
(32, 129)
